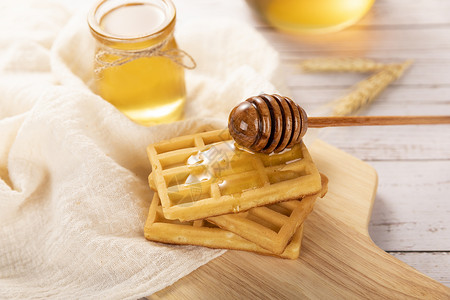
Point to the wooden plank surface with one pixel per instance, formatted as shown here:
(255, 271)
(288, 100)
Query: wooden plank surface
(427, 262)
(413, 162)
(422, 194)
(338, 258)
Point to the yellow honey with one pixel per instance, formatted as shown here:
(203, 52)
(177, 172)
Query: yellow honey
(137, 65)
(224, 163)
(312, 16)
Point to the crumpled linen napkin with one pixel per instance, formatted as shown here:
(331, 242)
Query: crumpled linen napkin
(73, 170)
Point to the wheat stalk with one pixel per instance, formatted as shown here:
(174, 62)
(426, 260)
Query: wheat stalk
(341, 65)
(367, 90)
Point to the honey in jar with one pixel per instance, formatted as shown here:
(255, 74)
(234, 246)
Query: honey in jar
(138, 66)
(311, 16)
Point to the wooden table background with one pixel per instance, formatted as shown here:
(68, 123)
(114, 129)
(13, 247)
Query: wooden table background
(411, 212)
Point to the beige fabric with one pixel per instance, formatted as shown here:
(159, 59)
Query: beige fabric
(73, 170)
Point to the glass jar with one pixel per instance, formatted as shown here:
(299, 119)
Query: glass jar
(138, 66)
(311, 16)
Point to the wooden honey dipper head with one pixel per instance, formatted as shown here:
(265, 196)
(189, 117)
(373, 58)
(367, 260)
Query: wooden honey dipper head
(267, 123)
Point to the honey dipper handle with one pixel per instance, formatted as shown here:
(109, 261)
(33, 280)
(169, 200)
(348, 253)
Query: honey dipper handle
(319, 122)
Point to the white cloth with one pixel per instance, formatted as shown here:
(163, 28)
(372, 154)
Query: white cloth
(73, 170)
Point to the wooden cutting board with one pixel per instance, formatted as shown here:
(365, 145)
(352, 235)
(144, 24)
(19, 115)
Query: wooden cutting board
(338, 259)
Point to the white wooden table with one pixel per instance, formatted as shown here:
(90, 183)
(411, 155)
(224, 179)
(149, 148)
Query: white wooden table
(411, 214)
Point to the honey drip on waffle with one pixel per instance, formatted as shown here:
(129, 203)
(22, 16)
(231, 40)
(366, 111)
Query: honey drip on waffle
(235, 171)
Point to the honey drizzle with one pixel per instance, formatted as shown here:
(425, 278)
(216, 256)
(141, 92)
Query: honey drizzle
(225, 169)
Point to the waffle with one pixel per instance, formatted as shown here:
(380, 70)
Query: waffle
(272, 226)
(204, 175)
(202, 233)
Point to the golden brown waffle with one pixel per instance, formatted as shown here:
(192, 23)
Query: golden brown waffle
(202, 233)
(203, 175)
(271, 226)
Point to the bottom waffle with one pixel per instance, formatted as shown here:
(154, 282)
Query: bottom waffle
(271, 226)
(203, 233)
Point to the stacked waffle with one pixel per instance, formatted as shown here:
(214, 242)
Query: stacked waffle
(212, 194)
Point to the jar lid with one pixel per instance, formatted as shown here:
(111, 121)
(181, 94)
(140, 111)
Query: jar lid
(130, 20)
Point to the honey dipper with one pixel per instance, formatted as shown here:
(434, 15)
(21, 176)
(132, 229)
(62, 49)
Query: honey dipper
(272, 123)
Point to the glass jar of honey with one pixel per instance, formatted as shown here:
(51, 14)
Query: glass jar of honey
(311, 16)
(138, 66)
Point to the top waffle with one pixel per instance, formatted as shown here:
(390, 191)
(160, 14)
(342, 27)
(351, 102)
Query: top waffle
(204, 175)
